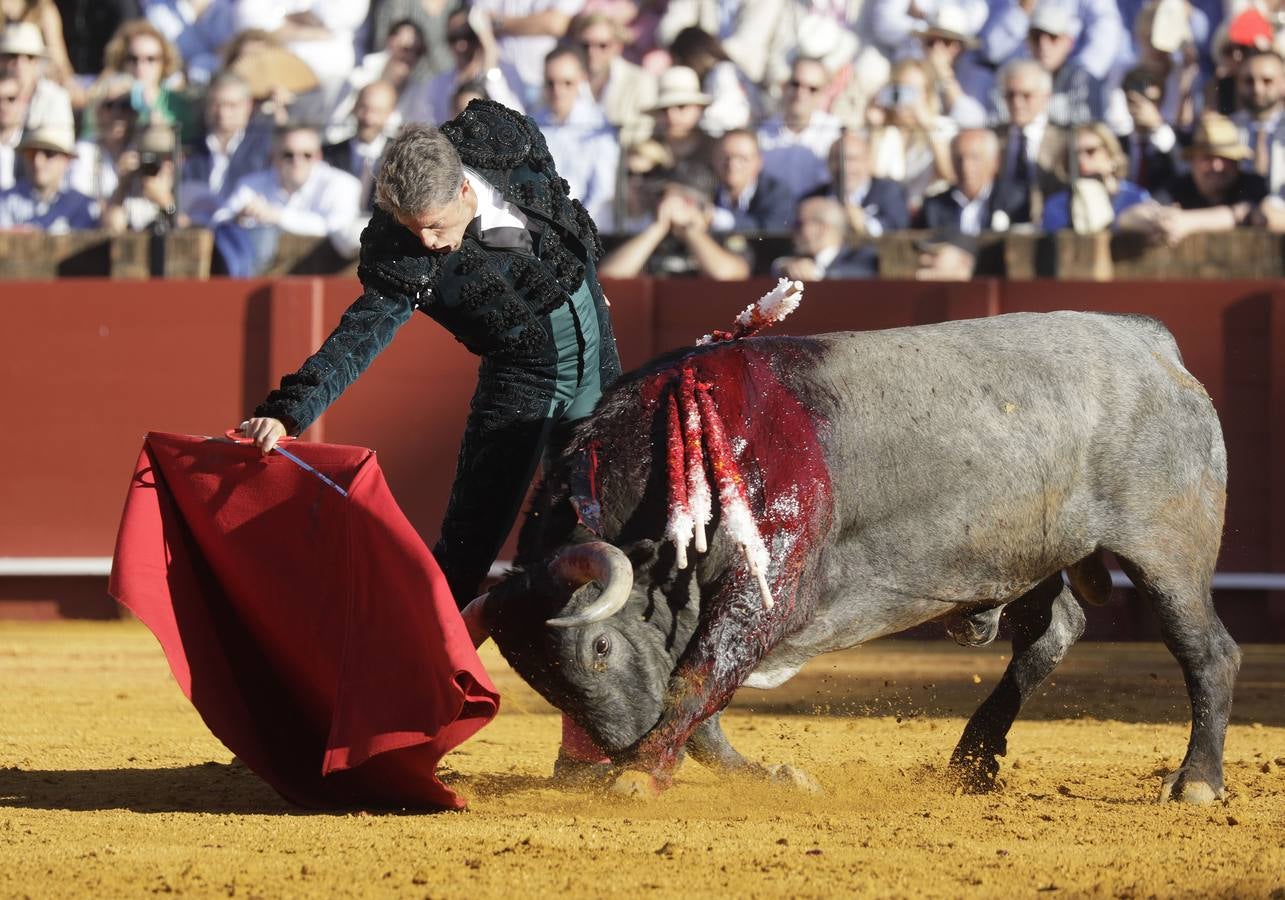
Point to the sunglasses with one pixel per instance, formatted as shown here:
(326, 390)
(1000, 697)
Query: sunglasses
(797, 85)
(135, 58)
(462, 34)
(292, 155)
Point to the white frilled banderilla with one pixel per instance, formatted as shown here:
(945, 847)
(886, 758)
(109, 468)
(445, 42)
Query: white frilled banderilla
(696, 431)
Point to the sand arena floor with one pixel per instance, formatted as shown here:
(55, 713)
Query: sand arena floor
(110, 785)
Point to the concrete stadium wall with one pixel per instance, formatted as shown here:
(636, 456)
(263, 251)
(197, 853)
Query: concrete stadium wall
(92, 365)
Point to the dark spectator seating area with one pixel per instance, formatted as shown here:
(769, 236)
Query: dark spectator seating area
(1093, 257)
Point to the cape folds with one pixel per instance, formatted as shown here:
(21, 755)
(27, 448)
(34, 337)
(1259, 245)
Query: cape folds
(312, 631)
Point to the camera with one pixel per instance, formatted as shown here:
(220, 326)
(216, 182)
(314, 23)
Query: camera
(149, 163)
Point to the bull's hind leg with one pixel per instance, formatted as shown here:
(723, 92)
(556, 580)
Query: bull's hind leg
(1045, 623)
(1209, 659)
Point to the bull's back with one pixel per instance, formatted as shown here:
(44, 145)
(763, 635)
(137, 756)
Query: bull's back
(974, 458)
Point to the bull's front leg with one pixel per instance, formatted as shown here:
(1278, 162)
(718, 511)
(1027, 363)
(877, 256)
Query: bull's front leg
(729, 643)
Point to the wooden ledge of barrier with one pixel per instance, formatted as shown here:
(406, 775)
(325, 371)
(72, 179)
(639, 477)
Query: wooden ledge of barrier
(37, 256)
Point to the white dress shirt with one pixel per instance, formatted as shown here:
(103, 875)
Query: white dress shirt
(327, 202)
(798, 158)
(493, 211)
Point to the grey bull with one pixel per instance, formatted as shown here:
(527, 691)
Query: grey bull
(954, 472)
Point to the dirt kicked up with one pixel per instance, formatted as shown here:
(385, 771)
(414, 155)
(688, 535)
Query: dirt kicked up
(110, 785)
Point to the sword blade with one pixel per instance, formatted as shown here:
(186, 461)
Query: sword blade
(307, 468)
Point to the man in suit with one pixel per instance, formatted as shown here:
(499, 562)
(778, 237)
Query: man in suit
(821, 249)
(359, 155)
(1260, 87)
(972, 204)
(873, 206)
(236, 144)
(1151, 147)
(1031, 145)
(623, 90)
(747, 198)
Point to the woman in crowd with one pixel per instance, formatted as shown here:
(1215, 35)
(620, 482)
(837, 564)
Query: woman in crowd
(139, 50)
(910, 137)
(94, 168)
(1100, 161)
(733, 99)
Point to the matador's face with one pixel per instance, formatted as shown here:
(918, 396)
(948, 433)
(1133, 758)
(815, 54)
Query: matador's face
(442, 230)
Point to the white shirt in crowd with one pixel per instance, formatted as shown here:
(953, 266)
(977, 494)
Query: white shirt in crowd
(328, 201)
(972, 212)
(798, 158)
(92, 171)
(527, 52)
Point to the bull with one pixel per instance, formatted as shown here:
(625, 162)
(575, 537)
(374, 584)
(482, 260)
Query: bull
(864, 483)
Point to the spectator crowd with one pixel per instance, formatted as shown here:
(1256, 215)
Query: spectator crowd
(689, 128)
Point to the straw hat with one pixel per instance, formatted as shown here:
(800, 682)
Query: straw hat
(951, 23)
(22, 39)
(269, 68)
(1217, 135)
(59, 139)
(679, 86)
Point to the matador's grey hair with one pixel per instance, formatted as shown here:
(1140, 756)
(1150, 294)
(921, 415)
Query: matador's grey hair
(421, 171)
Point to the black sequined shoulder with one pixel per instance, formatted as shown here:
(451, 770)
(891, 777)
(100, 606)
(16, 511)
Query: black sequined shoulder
(490, 135)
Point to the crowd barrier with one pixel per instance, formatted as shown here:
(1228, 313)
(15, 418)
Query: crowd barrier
(93, 364)
(1015, 255)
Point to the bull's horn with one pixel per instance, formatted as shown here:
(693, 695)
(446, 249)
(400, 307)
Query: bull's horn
(596, 561)
(474, 616)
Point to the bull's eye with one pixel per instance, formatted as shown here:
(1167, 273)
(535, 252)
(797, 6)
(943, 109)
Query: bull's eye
(602, 645)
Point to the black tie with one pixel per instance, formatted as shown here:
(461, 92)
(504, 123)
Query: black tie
(504, 237)
(1021, 165)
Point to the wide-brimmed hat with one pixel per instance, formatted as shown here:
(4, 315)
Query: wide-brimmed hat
(59, 139)
(679, 86)
(951, 23)
(1217, 135)
(1054, 17)
(22, 39)
(269, 68)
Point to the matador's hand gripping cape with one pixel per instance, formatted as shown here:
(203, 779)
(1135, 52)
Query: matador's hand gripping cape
(303, 617)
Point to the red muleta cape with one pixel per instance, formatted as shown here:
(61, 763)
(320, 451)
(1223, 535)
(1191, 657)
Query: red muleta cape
(313, 632)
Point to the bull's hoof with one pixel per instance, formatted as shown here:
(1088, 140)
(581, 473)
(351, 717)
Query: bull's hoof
(976, 629)
(975, 774)
(1183, 787)
(580, 773)
(634, 785)
(795, 778)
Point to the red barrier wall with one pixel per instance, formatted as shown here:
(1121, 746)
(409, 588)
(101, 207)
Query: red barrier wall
(91, 365)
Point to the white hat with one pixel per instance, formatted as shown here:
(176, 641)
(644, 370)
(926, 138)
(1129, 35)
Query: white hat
(58, 138)
(1053, 17)
(679, 86)
(950, 22)
(22, 39)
